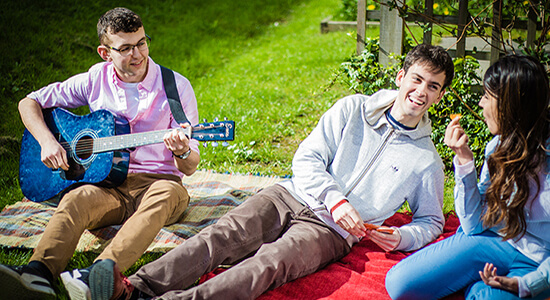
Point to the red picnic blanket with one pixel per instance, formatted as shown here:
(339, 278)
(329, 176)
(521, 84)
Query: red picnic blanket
(359, 275)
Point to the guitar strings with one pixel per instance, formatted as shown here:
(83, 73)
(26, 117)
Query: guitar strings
(85, 146)
(81, 147)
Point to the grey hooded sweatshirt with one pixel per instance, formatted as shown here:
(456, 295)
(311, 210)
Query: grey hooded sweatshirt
(354, 153)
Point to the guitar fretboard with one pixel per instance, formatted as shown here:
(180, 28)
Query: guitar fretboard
(125, 141)
(218, 131)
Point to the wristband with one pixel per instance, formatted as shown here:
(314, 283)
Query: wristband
(184, 155)
(338, 205)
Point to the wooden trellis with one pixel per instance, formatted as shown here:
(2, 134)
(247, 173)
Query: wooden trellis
(392, 29)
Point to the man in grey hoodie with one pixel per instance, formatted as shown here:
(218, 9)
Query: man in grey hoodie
(367, 157)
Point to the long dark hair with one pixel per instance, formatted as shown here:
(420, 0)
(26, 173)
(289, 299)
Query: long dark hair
(520, 85)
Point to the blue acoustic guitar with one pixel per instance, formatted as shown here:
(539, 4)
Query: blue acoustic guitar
(97, 149)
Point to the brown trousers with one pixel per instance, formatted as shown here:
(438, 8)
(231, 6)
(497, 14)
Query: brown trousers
(270, 239)
(143, 204)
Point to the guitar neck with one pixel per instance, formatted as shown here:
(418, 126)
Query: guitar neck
(125, 141)
(215, 131)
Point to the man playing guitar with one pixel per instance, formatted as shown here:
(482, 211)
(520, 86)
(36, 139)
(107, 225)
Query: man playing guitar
(129, 85)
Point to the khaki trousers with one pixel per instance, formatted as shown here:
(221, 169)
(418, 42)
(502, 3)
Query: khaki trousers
(144, 203)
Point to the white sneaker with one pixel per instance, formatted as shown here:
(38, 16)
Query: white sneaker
(75, 284)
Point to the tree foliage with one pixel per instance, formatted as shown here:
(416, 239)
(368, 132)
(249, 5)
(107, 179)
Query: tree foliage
(479, 23)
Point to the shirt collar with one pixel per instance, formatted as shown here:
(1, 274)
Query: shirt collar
(152, 75)
(396, 123)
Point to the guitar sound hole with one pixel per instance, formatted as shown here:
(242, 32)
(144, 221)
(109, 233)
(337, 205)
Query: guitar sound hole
(84, 147)
(82, 150)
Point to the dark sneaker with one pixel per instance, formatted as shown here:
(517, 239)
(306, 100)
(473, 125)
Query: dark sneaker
(20, 282)
(101, 281)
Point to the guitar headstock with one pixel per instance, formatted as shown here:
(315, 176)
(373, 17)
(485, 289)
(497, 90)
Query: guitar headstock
(214, 131)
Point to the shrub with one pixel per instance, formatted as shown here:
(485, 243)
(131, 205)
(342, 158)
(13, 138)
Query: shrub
(364, 74)
(462, 97)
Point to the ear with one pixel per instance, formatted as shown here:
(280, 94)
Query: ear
(440, 96)
(399, 77)
(104, 53)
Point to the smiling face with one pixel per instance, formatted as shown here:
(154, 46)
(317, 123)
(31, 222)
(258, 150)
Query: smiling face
(131, 68)
(419, 88)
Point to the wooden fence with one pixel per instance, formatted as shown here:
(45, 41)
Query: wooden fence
(392, 28)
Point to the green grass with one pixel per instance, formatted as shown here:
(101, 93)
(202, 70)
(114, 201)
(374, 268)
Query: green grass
(264, 64)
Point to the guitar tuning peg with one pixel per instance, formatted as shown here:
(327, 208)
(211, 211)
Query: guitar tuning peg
(204, 120)
(214, 144)
(204, 144)
(225, 144)
(216, 119)
(225, 118)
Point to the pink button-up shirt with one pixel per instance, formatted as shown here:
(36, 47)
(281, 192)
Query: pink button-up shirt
(100, 88)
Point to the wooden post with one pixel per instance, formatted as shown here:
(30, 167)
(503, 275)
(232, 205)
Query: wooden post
(391, 34)
(531, 27)
(496, 35)
(462, 20)
(429, 12)
(361, 25)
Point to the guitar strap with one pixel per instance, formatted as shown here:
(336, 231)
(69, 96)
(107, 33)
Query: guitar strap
(171, 90)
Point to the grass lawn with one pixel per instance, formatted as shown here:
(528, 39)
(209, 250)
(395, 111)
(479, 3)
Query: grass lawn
(264, 64)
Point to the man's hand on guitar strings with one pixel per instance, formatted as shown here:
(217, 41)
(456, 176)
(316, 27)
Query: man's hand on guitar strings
(176, 140)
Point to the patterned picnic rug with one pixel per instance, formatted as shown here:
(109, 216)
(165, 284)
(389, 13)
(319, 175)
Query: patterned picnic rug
(212, 195)
(359, 275)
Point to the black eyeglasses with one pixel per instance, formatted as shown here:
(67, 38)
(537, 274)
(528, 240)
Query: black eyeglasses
(142, 45)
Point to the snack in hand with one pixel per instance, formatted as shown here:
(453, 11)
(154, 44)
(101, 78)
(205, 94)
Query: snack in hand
(385, 230)
(453, 116)
(371, 226)
(378, 228)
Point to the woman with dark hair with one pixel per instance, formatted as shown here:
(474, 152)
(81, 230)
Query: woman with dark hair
(505, 217)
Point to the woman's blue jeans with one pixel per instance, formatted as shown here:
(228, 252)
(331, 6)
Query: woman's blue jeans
(453, 264)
